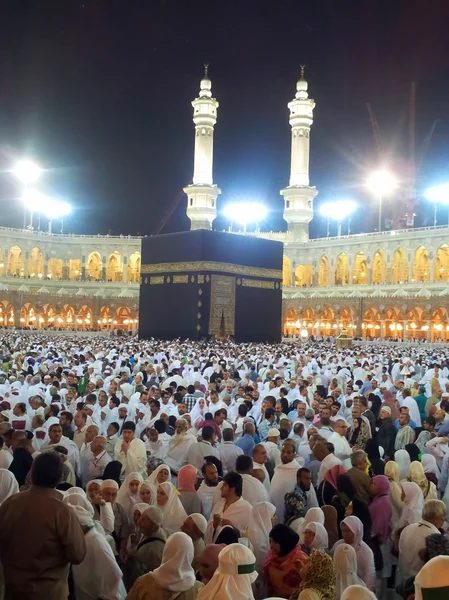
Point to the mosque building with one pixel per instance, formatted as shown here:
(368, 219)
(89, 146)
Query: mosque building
(393, 284)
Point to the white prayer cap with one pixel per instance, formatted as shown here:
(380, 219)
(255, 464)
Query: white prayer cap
(199, 521)
(123, 406)
(109, 483)
(273, 432)
(155, 514)
(386, 408)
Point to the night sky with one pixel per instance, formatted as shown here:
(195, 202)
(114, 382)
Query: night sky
(99, 92)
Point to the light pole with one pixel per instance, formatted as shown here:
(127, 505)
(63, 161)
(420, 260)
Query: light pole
(27, 172)
(338, 211)
(438, 194)
(381, 183)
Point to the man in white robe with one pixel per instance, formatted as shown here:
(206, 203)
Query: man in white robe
(327, 459)
(253, 490)
(131, 452)
(179, 446)
(342, 449)
(231, 509)
(284, 478)
(260, 457)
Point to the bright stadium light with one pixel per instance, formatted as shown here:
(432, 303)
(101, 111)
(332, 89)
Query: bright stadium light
(339, 210)
(27, 171)
(381, 183)
(52, 208)
(245, 213)
(438, 194)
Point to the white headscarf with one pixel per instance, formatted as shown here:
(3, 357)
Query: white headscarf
(233, 578)
(413, 504)
(313, 515)
(402, 457)
(176, 573)
(79, 500)
(321, 539)
(357, 592)
(173, 510)
(434, 575)
(83, 515)
(259, 528)
(153, 490)
(124, 496)
(152, 479)
(76, 490)
(8, 485)
(345, 563)
(429, 464)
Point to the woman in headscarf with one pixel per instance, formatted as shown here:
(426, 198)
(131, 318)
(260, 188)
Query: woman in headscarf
(161, 474)
(175, 578)
(413, 452)
(381, 514)
(416, 474)
(128, 493)
(228, 535)
(402, 458)
(313, 515)
(357, 592)
(147, 493)
(348, 503)
(8, 485)
(315, 537)
(345, 564)
(331, 524)
(432, 581)
(187, 478)
(397, 504)
(431, 470)
(21, 465)
(113, 471)
(234, 576)
(413, 504)
(281, 563)
(258, 531)
(328, 487)
(352, 531)
(377, 464)
(99, 575)
(317, 578)
(173, 512)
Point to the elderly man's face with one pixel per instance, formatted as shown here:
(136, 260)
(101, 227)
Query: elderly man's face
(180, 428)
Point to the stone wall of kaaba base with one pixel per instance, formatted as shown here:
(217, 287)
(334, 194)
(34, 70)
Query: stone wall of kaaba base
(191, 281)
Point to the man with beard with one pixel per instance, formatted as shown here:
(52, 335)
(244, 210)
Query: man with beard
(179, 445)
(284, 478)
(324, 425)
(207, 488)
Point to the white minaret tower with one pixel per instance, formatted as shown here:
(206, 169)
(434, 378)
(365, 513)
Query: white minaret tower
(202, 193)
(299, 195)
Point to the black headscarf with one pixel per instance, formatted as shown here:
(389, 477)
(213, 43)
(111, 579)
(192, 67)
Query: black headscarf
(377, 464)
(285, 537)
(228, 535)
(21, 465)
(112, 471)
(413, 451)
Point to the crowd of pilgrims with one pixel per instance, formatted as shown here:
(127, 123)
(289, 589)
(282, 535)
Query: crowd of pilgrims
(154, 470)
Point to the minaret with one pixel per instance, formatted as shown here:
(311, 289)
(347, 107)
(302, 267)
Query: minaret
(202, 193)
(299, 195)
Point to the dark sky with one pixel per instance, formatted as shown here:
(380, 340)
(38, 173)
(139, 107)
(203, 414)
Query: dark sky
(99, 92)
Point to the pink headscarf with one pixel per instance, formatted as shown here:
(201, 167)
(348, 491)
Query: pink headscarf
(187, 477)
(331, 475)
(380, 508)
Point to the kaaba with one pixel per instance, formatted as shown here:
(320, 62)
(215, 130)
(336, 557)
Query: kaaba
(203, 283)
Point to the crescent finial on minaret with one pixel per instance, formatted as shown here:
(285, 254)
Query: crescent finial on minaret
(206, 69)
(303, 67)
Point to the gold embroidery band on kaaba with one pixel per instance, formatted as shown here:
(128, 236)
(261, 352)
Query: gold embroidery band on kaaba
(218, 267)
(258, 283)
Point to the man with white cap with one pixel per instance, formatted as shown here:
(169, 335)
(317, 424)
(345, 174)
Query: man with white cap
(272, 446)
(284, 478)
(195, 527)
(151, 546)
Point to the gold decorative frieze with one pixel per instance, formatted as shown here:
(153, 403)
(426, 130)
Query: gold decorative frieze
(220, 267)
(180, 279)
(157, 280)
(258, 283)
(222, 304)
